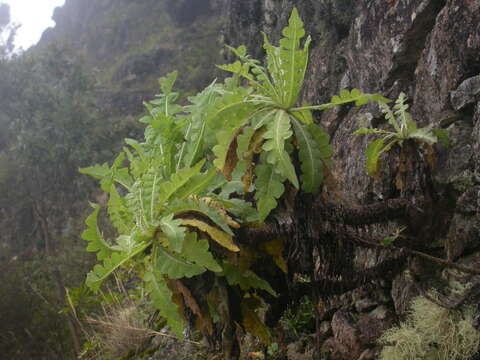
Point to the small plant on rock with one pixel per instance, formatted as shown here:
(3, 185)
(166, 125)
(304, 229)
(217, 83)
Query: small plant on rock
(404, 129)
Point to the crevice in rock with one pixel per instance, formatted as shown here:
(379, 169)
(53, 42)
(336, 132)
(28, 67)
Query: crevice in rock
(415, 39)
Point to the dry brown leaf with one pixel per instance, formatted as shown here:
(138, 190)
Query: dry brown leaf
(231, 159)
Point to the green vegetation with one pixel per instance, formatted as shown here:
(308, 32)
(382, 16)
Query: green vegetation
(405, 129)
(175, 209)
(176, 216)
(48, 130)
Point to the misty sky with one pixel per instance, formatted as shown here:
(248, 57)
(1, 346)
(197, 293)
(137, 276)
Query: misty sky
(34, 15)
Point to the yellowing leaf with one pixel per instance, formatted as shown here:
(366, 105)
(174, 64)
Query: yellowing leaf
(252, 322)
(218, 235)
(274, 248)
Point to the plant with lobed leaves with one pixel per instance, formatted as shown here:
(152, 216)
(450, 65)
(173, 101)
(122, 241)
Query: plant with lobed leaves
(183, 193)
(404, 129)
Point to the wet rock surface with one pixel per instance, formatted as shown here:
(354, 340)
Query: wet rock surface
(429, 49)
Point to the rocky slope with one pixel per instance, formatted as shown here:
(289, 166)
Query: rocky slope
(130, 44)
(429, 49)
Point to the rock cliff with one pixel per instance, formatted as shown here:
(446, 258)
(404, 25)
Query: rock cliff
(429, 49)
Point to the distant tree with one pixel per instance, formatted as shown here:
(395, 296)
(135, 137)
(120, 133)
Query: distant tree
(48, 111)
(48, 129)
(8, 31)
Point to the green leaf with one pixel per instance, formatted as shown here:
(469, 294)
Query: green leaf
(389, 116)
(199, 208)
(310, 157)
(108, 175)
(101, 271)
(161, 295)
(304, 116)
(228, 133)
(174, 232)
(197, 184)
(197, 251)
(118, 212)
(245, 279)
(241, 51)
(278, 132)
(237, 68)
(287, 63)
(346, 97)
(269, 187)
(424, 134)
(197, 135)
(175, 266)
(167, 82)
(442, 136)
(125, 243)
(96, 243)
(374, 150)
(177, 181)
(322, 139)
(368, 131)
(96, 171)
(400, 109)
(243, 210)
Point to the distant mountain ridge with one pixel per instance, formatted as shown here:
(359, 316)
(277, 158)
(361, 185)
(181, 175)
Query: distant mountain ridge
(128, 45)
